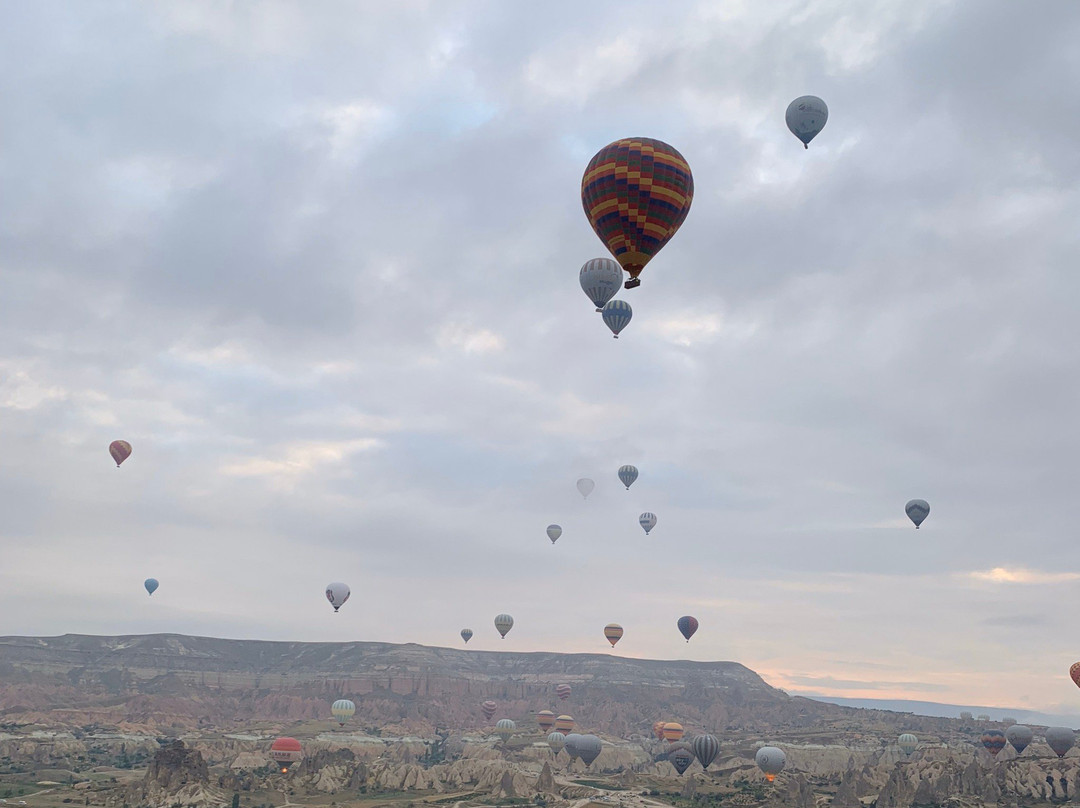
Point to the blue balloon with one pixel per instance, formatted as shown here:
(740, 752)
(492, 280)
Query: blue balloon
(616, 315)
(151, 585)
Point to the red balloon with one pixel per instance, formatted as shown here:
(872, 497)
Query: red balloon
(285, 752)
(1074, 673)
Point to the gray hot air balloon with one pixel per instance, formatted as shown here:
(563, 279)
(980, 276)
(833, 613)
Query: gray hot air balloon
(706, 748)
(647, 522)
(771, 761)
(571, 744)
(917, 511)
(337, 593)
(466, 634)
(503, 624)
(908, 743)
(589, 748)
(600, 279)
(585, 487)
(681, 756)
(1019, 736)
(617, 315)
(806, 116)
(556, 740)
(504, 728)
(554, 531)
(627, 475)
(1060, 739)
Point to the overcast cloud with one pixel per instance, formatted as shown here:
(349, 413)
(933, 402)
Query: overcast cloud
(318, 264)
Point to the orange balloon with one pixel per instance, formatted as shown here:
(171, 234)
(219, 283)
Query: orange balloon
(673, 731)
(658, 730)
(613, 632)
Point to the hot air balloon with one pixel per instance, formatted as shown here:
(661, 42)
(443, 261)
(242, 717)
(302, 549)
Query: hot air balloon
(488, 708)
(285, 752)
(545, 719)
(806, 116)
(466, 634)
(636, 192)
(917, 511)
(337, 593)
(658, 729)
(681, 757)
(647, 522)
(706, 748)
(120, 451)
(151, 585)
(585, 487)
(600, 278)
(1060, 739)
(908, 743)
(613, 632)
(1074, 673)
(342, 710)
(687, 626)
(564, 724)
(617, 315)
(554, 531)
(556, 740)
(993, 741)
(1019, 736)
(627, 475)
(589, 748)
(673, 731)
(504, 728)
(563, 691)
(571, 745)
(771, 761)
(503, 624)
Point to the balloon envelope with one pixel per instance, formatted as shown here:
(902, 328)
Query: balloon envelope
(908, 743)
(617, 315)
(503, 624)
(504, 728)
(771, 761)
(488, 708)
(466, 634)
(545, 719)
(647, 522)
(120, 451)
(337, 593)
(556, 740)
(636, 193)
(1074, 673)
(585, 487)
(589, 748)
(342, 710)
(571, 745)
(706, 748)
(806, 116)
(673, 731)
(993, 741)
(681, 758)
(627, 475)
(564, 724)
(917, 511)
(658, 729)
(563, 691)
(1060, 739)
(687, 626)
(285, 752)
(601, 279)
(613, 632)
(151, 585)
(554, 531)
(1020, 737)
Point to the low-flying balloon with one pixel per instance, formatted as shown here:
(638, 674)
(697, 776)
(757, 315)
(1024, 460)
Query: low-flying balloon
(613, 632)
(600, 279)
(488, 708)
(554, 531)
(151, 585)
(585, 487)
(563, 691)
(120, 451)
(771, 761)
(503, 624)
(556, 740)
(647, 522)
(673, 731)
(342, 710)
(908, 743)
(545, 719)
(658, 729)
(1060, 739)
(564, 724)
(687, 626)
(681, 757)
(917, 511)
(617, 315)
(504, 728)
(1020, 737)
(589, 748)
(993, 741)
(466, 634)
(627, 475)
(806, 116)
(337, 593)
(706, 748)
(636, 193)
(285, 752)
(571, 745)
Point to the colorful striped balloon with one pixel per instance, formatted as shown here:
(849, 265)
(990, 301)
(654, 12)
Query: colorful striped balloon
(564, 724)
(993, 741)
(613, 632)
(120, 451)
(563, 691)
(545, 719)
(658, 729)
(673, 731)
(687, 626)
(488, 708)
(636, 193)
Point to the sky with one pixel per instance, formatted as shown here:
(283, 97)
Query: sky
(318, 264)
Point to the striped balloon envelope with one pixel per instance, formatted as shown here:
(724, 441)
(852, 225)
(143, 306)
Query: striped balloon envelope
(673, 731)
(120, 451)
(706, 748)
(563, 691)
(613, 632)
(627, 475)
(687, 626)
(647, 521)
(504, 728)
(993, 741)
(503, 624)
(617, 315)
(545, 719)
(636, 193)
(600, 279)
(1074, 673)
(556, 741)
(488, 708)
(658, 729)
(342, 710)
(564, 724)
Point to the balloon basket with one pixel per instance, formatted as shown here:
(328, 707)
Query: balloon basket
(632, 283)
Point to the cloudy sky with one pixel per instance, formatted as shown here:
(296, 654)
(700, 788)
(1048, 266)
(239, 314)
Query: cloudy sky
(318, 264)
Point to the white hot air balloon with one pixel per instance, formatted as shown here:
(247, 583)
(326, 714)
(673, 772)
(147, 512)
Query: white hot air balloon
(554, 531)
(908, 743)
(342, 710)
(600, 279)
(585, 487)
(647, 522)
(806, 116)
(504, 728)
(337, 593)
(503, 624)
(771, 761)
